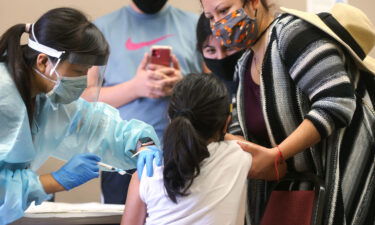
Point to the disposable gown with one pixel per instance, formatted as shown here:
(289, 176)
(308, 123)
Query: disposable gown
(60, 131)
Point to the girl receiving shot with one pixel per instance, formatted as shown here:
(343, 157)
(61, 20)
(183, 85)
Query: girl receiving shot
(203, 179)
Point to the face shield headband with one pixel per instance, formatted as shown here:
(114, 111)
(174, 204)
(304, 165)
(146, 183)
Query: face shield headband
(96, 79)
(71, 57)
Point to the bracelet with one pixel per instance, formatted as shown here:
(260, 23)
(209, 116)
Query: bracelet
(280, 154)
(277, 161)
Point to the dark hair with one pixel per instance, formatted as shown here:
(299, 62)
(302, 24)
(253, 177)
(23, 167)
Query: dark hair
(64, 29)
(203, 31)
(263, 2)
(198, 110)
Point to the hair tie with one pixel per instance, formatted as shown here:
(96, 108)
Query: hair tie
(185, 113)
(27, 27)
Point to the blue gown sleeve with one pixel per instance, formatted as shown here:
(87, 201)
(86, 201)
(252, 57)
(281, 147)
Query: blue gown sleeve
(18, 186)
(90, 127)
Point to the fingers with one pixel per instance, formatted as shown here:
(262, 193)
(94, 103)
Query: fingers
(156, 75)
(159, 83)
(149, 164)
(161, 73)
(143, 64)
(96, 174)
(91, 157)
(248, 146)
(161, 88)
(146, 158)
(155, 66)
(93, 167)
(159, 158)
(158, 154)
(140, 166)
(155, 90)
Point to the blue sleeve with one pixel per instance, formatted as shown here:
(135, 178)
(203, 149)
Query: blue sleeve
(18, 188)
(96, 128)
(15, 136)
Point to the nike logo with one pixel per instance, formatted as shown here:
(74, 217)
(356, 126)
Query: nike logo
(130, 45)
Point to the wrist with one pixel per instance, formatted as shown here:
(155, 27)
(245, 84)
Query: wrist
(142, 143)
(143, 148)
(50, 184)
(133, 85)
(278, 160)
(279, 156)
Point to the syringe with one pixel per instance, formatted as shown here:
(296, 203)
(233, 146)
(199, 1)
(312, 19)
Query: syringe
(112, 168)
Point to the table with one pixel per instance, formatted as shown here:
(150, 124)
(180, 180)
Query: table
(58, 213)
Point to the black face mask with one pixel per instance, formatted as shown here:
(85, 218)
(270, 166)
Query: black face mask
(150, 6)
(224, 68)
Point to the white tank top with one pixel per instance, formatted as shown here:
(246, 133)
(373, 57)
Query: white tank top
(217, 196)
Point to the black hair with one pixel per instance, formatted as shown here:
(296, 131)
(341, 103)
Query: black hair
(203, 32)
(64, 29)
(198, 109)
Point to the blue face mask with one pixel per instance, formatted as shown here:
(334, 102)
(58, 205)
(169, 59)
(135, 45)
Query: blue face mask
(67, 89)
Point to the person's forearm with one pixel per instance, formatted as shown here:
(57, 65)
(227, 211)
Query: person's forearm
(49, 184)
(118, 95)
(306, 135)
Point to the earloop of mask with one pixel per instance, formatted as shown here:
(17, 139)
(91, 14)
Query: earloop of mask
(54, 67)
(44, 76)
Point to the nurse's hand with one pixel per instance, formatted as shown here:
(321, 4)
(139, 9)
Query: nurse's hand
(78, 170)
(146, 157)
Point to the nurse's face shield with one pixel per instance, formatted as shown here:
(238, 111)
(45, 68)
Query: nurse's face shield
(94, 80)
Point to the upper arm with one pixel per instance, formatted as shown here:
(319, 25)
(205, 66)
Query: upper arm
(135, 208)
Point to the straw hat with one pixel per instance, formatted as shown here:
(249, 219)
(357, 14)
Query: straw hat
(360, 29)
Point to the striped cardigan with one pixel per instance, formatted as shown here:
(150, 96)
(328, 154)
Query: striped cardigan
(307, 75)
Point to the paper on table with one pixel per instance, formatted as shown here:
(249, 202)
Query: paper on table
(58, 213)
(59, 207)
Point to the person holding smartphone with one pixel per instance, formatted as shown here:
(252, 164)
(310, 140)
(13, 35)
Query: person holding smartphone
(138, 88)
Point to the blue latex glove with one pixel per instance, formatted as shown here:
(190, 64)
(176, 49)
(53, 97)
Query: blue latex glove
(78, 170)
(146, 157)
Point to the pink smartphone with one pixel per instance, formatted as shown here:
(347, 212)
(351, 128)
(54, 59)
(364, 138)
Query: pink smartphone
(161, 55)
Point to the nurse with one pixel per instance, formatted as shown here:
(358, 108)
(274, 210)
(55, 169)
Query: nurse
(41, 114)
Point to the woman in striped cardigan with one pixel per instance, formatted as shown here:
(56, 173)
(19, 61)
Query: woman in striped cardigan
(300, 95)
